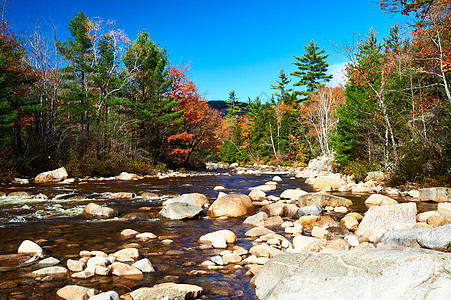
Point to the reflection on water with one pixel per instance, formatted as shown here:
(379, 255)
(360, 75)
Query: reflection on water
(51, 216)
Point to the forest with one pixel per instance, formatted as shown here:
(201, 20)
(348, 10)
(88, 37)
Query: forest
(98, 103)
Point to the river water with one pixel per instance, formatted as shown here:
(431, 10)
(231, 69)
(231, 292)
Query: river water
(52, 217)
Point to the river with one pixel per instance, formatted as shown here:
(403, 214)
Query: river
(52, 217)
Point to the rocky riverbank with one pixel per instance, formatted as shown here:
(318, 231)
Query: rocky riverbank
(300, 241)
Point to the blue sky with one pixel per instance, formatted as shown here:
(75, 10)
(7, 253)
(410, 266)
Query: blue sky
(238, 45)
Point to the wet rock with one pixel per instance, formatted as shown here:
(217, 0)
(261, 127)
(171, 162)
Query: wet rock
(85, 274)
(257, 195)
(273, 221)
(128, 233)
(75, 292)
(383, 217)
(265, 251)
(93, 210)
(323, 200)
(274, 209)
(126, 254)
(437, 239)
(219, 239)
(148, 195)
(292, 194)
(122, 195)
(111, 295)
(436, 194)
(191, 199)
(172, 291)
(29, 247)
(139, 215)
(306, 244)
(146, 236)
(75, 265)
(401, 238)
(50, 271)
(121, 269)
(256, 220)
(144, 265)
(380, 200)
(48, 262)
(309, 210)
(49, 176)
(181, 211)
(378, 273)
(265, 187)
(127, 176)
(233, 205)
(258, 231)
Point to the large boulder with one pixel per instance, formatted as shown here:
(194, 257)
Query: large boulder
(127, 176)
(323, 200)
(180, 211)
(233, 205)
(358, 274)
(93, 210)
(382, 218)
(49, 176)
(436, 194)
(168, 290)
(333, 181)
(438, 238)
(191, 199)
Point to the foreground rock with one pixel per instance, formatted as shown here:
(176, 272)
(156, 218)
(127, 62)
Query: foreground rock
(93, 210)
(50, 176)
(171, 291)
(180, 211)
(29, 247)
(438, 238)
(191, 199)
(381, 218)
(72, 292)
(357, 274)
(233, 205)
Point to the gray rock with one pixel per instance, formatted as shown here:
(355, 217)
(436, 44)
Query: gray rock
(437, 194)
(384, 217)
(50, 271)
(356, 274)
(323, 200)
(218, 260)
(111, 295)
(438, 238)
(173, 291)
(192, 199)
(144, 265)
(401, 238)
(257, 219)
(309, 210)
(180, 211)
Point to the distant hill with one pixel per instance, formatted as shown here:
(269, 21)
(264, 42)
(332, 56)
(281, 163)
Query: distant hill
(221, 106)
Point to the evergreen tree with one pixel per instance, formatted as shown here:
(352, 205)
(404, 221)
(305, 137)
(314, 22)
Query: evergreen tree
(312, 69)
(284, 94)
(233, 106)
(149, 97)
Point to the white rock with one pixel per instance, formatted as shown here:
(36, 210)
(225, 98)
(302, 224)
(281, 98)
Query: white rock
(29, 247)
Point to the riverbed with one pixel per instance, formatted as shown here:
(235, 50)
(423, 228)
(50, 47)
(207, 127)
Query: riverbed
(52, 218)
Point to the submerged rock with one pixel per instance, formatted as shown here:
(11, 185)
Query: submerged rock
(356, 274)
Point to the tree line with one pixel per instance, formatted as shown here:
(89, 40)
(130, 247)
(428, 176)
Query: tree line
(99, 104)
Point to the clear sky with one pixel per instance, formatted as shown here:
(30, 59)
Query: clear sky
(238, 45)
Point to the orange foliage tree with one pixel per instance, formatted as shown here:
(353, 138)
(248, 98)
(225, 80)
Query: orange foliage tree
(201, 122)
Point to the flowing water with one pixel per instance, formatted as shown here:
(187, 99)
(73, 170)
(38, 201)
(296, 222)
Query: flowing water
(52, 217)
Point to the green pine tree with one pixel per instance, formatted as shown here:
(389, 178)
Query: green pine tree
(312, 69)
(284, 93)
